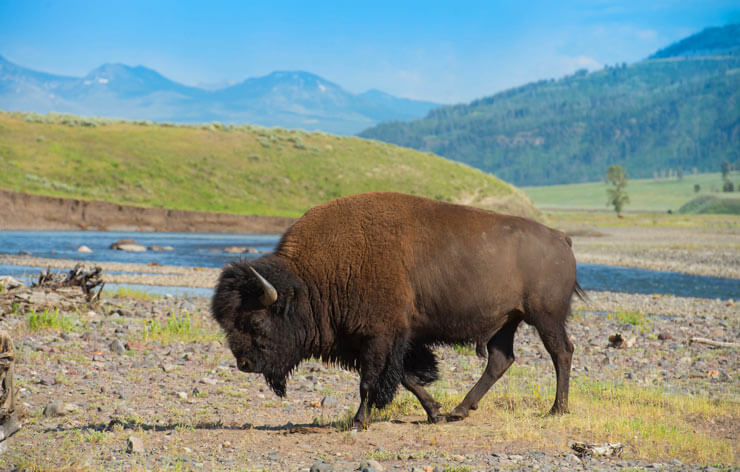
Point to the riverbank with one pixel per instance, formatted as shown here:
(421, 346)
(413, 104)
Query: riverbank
(22, 211)
(698, 251)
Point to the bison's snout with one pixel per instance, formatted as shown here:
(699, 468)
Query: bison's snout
(246, 365)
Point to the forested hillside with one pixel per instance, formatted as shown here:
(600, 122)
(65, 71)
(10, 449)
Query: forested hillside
(651, 116)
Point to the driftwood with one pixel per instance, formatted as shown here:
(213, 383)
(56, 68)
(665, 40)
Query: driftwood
(87, 280)
(583, 449)
(714, 343)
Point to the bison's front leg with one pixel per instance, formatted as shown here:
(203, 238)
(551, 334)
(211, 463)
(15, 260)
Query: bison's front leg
(381, 370)
(430, 405)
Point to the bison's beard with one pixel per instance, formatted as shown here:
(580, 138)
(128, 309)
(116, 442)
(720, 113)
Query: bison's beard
(276, 383)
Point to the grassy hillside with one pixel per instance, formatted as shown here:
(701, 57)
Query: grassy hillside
(231, 169)
(645, 194)
(648, 117)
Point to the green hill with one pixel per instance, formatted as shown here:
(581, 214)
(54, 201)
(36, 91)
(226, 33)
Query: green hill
(651, 116)
(230, 169)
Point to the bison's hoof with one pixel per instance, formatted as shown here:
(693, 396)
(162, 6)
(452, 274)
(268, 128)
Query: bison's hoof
(456, 415)
(556, 411)
(436, 418)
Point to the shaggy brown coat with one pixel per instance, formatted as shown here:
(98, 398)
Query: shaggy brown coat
(374, 281)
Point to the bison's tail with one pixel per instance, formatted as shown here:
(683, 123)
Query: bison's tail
(578, 290)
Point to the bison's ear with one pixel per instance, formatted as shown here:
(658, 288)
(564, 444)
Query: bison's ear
(269, 294)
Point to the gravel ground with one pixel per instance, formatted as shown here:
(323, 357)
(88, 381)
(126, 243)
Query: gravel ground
(101, 388)
(106, 393)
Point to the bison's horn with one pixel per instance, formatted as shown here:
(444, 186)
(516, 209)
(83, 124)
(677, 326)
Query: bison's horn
(269, 294)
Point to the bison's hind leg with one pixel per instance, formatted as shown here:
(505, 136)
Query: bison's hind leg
(555, 338)
(420, 368)
(500, 356)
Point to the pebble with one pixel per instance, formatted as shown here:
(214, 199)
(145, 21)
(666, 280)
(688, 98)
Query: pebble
(58, 408)
(134, 445)
(328, 402)
(321, 466)
(117, 347)
(371, 465)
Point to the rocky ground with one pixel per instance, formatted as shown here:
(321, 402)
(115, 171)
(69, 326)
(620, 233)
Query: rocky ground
(148, 384)
(112, 388)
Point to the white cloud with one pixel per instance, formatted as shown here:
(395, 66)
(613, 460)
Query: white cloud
(582, 62)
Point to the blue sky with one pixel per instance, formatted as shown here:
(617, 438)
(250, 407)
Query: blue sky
(447, 52)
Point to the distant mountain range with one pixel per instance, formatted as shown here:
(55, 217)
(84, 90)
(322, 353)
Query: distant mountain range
(287, 99)
(675, 111)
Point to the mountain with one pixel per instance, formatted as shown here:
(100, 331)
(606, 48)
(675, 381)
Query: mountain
(709, 42)
(677, 111)
(290, 99)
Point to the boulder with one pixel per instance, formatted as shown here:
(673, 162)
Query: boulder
(127, 244)
(84, 249)
(157, 248)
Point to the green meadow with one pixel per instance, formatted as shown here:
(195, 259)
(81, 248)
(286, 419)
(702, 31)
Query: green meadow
(654, 195)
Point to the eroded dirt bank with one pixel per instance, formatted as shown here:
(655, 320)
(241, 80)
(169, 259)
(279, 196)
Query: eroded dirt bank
(20, 211)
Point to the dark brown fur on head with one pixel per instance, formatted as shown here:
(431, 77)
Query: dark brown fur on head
(263, 339)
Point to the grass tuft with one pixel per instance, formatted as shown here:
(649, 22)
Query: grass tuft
(49, 319)
(179, 327)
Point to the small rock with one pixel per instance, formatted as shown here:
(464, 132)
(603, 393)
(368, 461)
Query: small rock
(167, 368)
(621, 342)
(134, 445)
(371, 465)
(9, 283)
(117, 347)
(329, 402)
(57, 408)
(187, 450)
(235, 250)
(321, 466)
(665, 336)
(84, 249)
(273, 456)
(157, 248)
(208, 381)
(182, 395)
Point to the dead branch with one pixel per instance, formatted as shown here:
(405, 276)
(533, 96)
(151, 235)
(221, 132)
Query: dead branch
(714, 343)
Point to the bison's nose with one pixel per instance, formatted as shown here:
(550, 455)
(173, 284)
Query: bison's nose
(245, 365)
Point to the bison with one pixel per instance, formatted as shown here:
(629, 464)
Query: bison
(374, 281)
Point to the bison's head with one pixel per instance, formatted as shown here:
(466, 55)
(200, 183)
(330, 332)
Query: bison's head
(258, 320)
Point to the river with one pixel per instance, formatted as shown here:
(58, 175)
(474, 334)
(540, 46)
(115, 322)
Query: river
(207, 250)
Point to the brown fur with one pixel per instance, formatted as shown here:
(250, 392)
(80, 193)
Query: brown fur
(373, 281)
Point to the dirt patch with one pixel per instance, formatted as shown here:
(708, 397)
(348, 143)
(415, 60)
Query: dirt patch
(20, 211)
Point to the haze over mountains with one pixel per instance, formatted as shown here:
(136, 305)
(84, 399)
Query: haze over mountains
(290, 99)
(673, 112)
